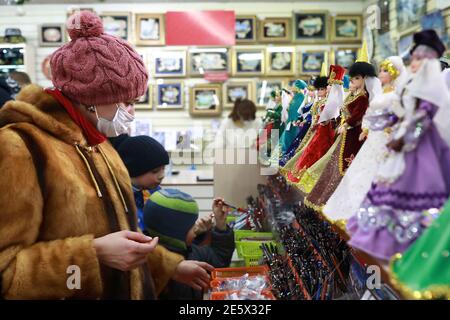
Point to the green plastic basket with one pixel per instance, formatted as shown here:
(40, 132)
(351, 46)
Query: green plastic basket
(231, 219)
(250, 248)
(239, 234)
(252, 261)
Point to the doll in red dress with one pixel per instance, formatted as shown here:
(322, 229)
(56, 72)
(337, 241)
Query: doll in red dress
(323, 138)
(352, 112)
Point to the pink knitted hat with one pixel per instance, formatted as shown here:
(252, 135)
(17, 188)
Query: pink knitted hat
(95, 68)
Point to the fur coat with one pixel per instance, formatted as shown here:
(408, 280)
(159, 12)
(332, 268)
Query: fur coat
(56, 195)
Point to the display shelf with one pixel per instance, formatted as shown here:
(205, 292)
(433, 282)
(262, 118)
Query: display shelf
(28, 56)
(9, 66)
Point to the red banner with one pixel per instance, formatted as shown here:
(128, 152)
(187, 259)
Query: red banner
(200, 28)
(216, 76)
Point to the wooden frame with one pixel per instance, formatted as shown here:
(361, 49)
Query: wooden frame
(169, 68)
(167, 105)
(263, 28)
(306, 29)
(72, 9)
(348, 61)
(408, 20)
(314, 67)
(384, 16)
(242, 33)
(145, 102)
(215, 89)
(262, 98)
(281, 63)
(113, 20)
(346, 23)
(249, 86)
(238, 65)
(220, 55)
(47, 28)
(156, 38)
(404, 43)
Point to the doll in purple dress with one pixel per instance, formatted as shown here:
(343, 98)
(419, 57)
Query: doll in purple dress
(413, 181)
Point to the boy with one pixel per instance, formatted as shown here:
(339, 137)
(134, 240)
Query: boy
(145, 159)
(172, 216)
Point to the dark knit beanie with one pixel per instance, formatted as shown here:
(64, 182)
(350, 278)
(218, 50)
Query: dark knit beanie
(169, 214)
(142, 154)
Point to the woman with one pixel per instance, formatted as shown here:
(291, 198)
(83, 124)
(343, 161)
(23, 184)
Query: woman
(65, 195)
(413, 181)
(357, 180)
(241, 128)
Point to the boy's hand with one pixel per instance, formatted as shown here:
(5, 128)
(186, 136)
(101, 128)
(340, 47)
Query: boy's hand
(203, 225)
(220, 214)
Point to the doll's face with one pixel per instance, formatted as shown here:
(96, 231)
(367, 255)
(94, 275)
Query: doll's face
(322, 92)
(384, 76)
(311, 93)
(416, 63)
(277, 99)
(356, 83)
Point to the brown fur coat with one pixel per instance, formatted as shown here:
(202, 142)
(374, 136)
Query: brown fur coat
(50, 209)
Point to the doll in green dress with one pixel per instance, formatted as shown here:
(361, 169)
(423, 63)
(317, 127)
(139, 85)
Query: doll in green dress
(423, 271)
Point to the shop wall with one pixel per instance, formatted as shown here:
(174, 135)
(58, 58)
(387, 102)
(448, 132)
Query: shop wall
(397, 35)
(29, 17)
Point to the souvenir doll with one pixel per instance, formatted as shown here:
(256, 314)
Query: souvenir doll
(290, 131)
(320, 84)
(378, 119)
(413, 181)
(324, 137)
(272, 121)
(330, 113)
(363, 82)
(423, 271)
(303, 123)
(291, 101)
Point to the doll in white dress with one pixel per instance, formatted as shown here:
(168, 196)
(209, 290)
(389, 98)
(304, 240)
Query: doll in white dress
(381, 115)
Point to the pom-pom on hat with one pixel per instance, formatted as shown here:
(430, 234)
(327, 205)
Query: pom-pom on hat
(95, 68)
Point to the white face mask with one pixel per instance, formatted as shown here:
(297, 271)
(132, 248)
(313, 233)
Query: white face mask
(117, 126)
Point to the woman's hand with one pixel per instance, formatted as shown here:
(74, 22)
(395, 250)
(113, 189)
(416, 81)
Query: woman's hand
(194, 274)
(220, 214)
(124, 250)
(341, 130)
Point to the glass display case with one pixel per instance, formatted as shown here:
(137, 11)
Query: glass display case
(16, 57)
